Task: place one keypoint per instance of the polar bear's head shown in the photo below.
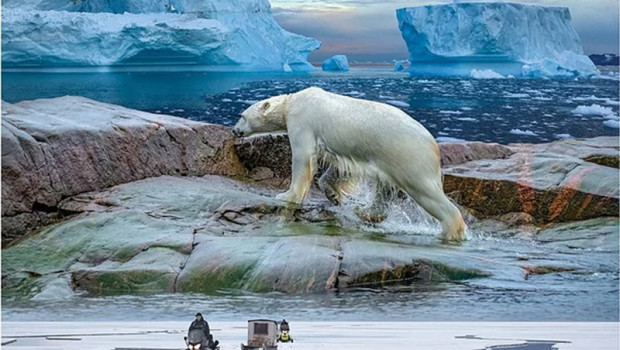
(263, 117)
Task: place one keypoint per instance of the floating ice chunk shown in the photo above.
(485, 74)
(450, 112)
(594, 109)
(515, 95)
(564, 136)
(467, 119)
(401, 65)
(337, 63)
(398, 103)
(612, 123)
(442, 139)
(523, 132)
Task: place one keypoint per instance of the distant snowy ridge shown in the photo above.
(536, 40)
(227, 35)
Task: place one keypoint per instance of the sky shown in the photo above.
(367, 30)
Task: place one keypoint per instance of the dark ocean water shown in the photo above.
(491, 110)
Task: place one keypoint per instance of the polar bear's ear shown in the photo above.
(266, 106)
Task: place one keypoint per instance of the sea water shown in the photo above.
(453, 109)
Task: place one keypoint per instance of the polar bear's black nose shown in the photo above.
(237, 133)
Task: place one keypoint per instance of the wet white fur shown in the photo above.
(359, 138)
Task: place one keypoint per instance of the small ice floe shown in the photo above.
(594, 109)
(612, 123)
(249, 102)
(485, 74)
(466, 108)
(515, 95)
(355, 93)
(533, 92)
(450, 112)
(226, 100)
(564, 136)
(541, 98)
(401, 65)
(523, 132)
(398, 103)
(442, 139)
(607, 101)
(386, 97)
(466, 119)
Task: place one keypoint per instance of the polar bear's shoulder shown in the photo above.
(313, 90)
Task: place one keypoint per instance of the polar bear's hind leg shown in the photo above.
(431, 198)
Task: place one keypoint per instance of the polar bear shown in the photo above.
(357, 138)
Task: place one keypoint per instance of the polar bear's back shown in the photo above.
(362, 131)
(361, 119)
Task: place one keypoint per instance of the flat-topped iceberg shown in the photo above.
(511, 39)
(226, 35)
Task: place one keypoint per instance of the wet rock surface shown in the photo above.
(211, 234)
(90, 174)
(186, 234)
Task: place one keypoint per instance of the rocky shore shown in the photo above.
(101, 199)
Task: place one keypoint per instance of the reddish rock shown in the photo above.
(56, 148)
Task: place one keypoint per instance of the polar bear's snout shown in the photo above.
(242, 128)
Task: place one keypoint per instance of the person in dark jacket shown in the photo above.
(201, 324)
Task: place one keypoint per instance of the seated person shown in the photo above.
(285, 332)
(200, 324)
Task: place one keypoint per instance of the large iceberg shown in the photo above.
(512, 39)
(223, 34)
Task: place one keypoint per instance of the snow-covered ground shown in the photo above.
(314, 335)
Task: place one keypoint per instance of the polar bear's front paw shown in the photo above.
(454, 237)
(288, 196)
